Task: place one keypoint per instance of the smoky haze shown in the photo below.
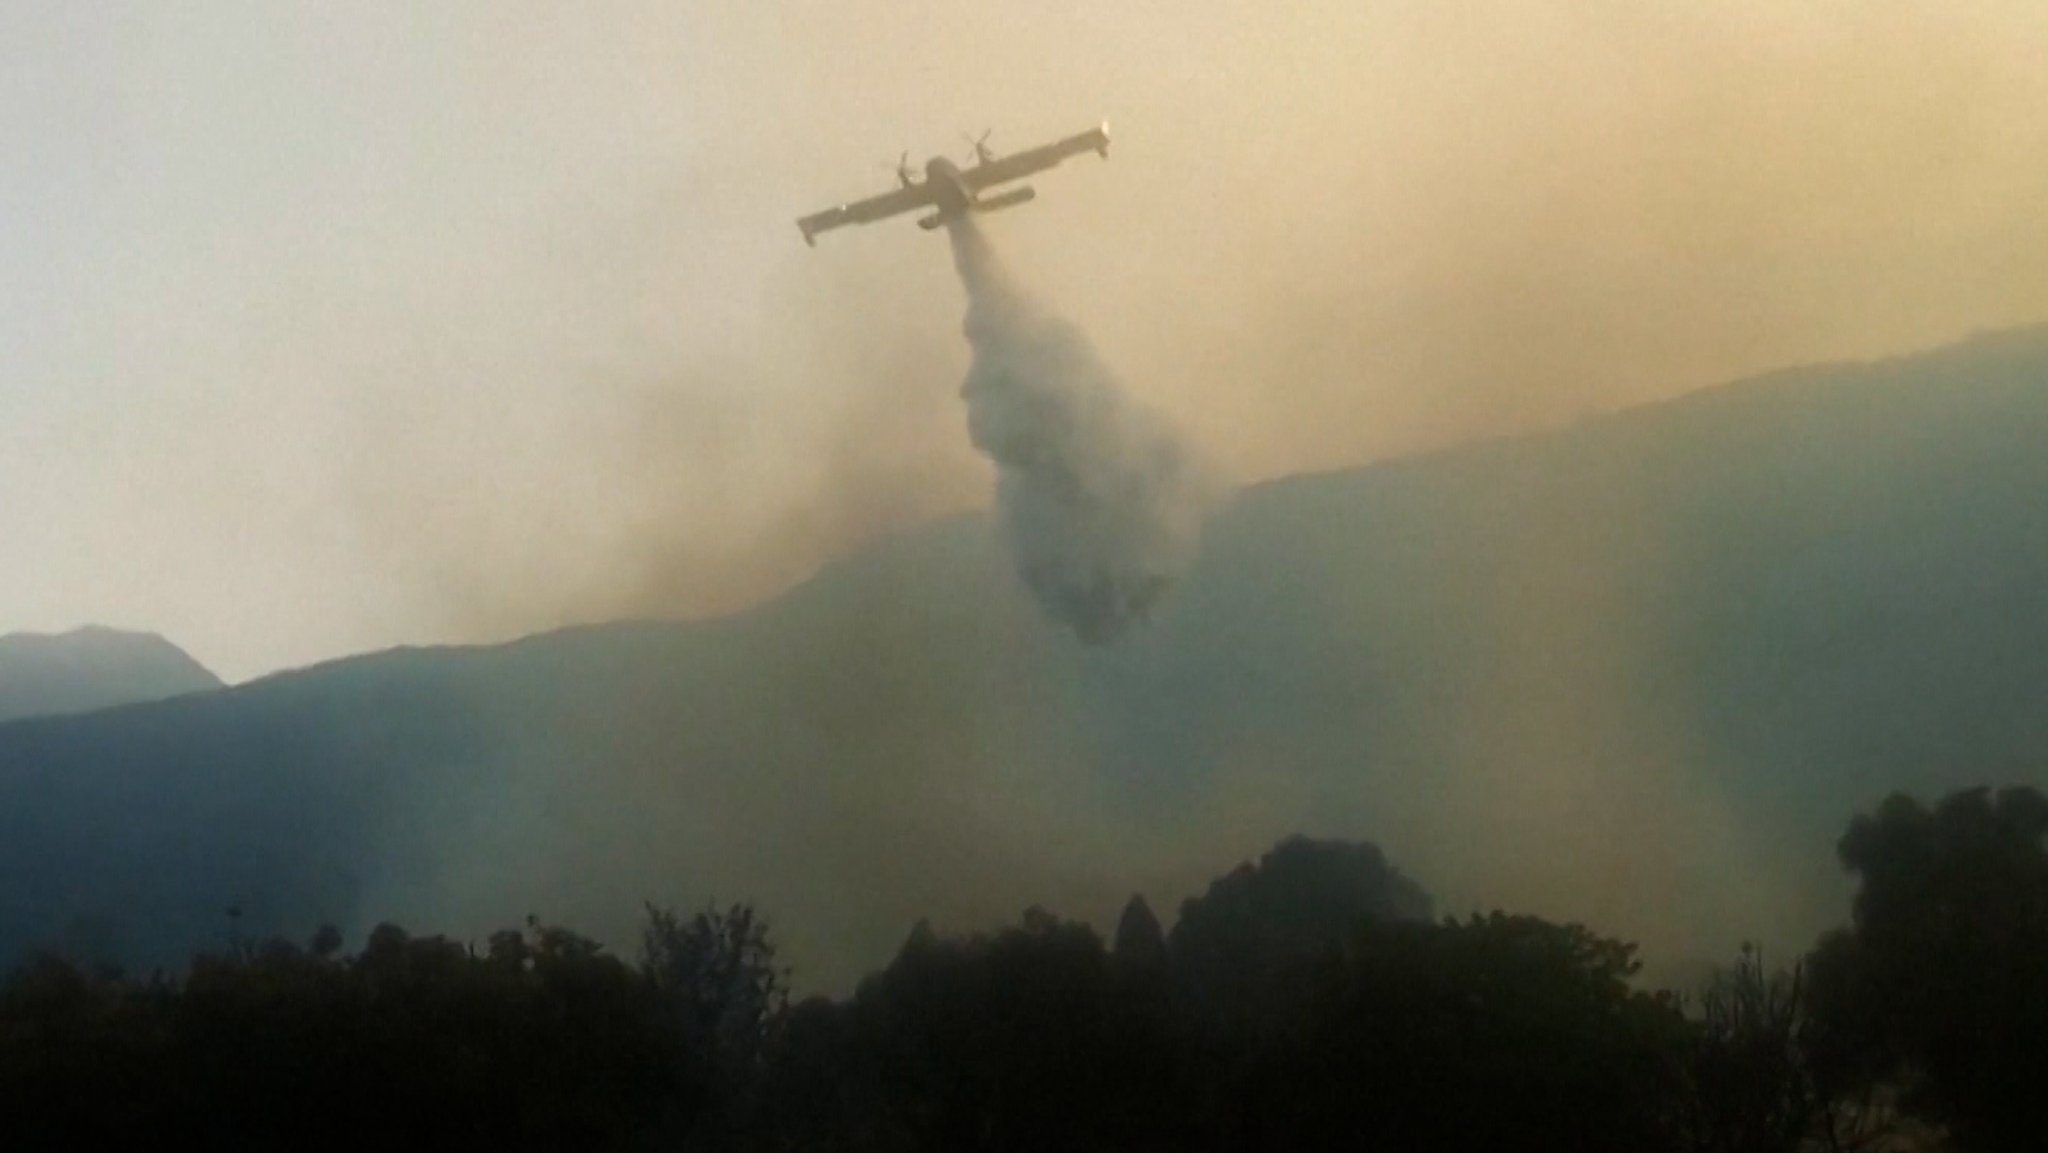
(370, 329)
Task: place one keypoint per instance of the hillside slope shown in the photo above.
(1636, 673)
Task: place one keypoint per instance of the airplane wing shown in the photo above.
(1018, 165)
(863, 211)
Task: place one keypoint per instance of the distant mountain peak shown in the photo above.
(92, 667)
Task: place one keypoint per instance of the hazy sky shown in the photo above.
(327, 327)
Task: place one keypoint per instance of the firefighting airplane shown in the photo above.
(955, 191)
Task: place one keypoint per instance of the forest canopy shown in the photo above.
(1306, 1000)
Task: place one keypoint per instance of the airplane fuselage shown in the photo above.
(950, 193)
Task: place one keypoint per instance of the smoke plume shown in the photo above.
(1101, 502)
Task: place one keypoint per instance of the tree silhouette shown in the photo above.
(1236, 945)
(1027, 1039)
(718, 989)
(1941, 982)
(1140, 942)
(1754, 1087)
(1495, 1032)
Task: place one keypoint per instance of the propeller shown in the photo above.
(982, 152)
(901, 167)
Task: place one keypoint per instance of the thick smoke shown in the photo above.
(1101, 502)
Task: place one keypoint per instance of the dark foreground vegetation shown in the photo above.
(1309, 1002)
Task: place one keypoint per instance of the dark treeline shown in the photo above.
(1307, 1002)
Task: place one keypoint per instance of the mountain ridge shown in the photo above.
(91, 668)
